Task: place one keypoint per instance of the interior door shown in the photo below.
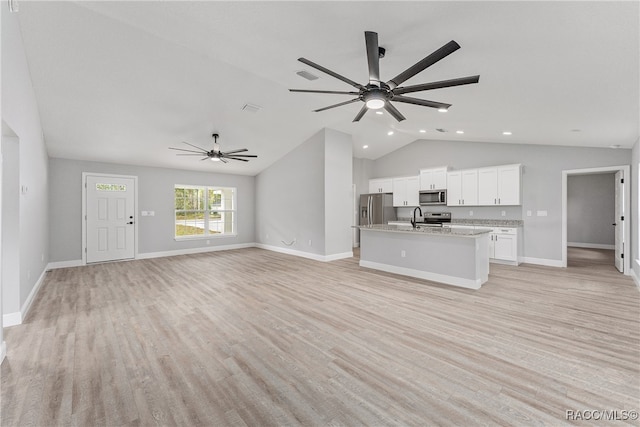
(619, 221)
(110, 218)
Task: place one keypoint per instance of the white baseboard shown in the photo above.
(16, 318)
(64, 264)
(541, 261)
(190, 251)
(590, 245)
(11, 319)
(434, 277)
(315, 257)
(3, 351)
(635, 278)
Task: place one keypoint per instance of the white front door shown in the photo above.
(619, 222)
(110, 218)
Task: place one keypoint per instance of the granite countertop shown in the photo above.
(424, 230)
(488, 222)
(477, 221)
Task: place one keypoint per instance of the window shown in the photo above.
(204, 211)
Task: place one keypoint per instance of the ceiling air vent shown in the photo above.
(307, 75)
(250, 108)
(441, 130)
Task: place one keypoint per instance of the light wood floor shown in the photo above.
(252, 337)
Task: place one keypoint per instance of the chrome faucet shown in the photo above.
(413, 221)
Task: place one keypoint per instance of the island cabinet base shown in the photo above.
(454, 260)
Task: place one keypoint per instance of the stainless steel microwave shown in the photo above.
(433, 197)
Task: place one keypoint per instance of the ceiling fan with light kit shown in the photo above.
(215, 155)
(378, 94)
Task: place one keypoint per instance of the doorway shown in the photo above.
(601, 198)
(109, 212)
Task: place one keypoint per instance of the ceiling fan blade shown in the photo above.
(223, 160)
(206, 158)
(436, 56)
(336, 92)
(195, 146)
(236, 158)
(422, 102)
(182, 149)
(394, 112)
(361, 113)
(437, 85)
(241, 150)
(190, 154)
(337, 105)
(238, 155)
(331, 73)
(373, 57)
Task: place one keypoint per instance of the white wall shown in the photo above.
(542, 180)
(591, 210)
(10, 225)
(305, 197)
(155, 193)
(635, 223)
(338, 192)
(20, 113)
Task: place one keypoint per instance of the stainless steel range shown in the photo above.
(436, 219)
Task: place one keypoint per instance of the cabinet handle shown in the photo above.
(495, 201)
(499, 200)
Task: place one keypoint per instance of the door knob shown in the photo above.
(130, 222)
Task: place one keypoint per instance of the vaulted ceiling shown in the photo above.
(123, 81)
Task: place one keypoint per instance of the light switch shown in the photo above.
(528, 213)
(152, 213)
(144, 213)
(541, 213)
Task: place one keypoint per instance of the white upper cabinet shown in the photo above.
(462, 188)
(433, 179)
(406, 191)
(499, 185)
(381, 185)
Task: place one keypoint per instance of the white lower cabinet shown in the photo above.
(503, 242)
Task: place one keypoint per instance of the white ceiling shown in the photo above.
(123, 81)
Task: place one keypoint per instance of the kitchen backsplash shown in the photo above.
(458, 212)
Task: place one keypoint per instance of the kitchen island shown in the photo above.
(451, 256)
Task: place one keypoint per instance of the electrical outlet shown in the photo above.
(541, 213)
(152, 213)
(144, 213)
(528, 213)
(42, 257)
(208, 242)
(309, 242)
(403, 254)
(470, 213)
(29, 275)
(267, 236)
(503, 213)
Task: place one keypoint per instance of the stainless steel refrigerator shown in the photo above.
(376, 208)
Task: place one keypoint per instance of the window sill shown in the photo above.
(205, 237)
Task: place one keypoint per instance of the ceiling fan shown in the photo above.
(378, 94)
(214, 155)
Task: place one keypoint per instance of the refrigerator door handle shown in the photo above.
(370, 204)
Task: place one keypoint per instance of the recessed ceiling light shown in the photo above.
(379, 112)
(443, 110)
(615, 146)
(575, 130)
(459, 131)
(423, 131)
(506, 132)
(390, 133)
(365, 146)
